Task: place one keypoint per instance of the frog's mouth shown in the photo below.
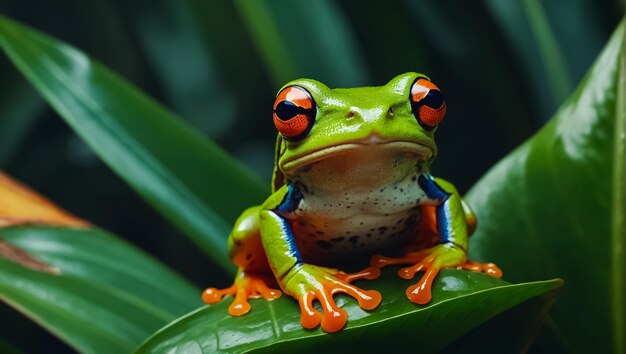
(423, 150)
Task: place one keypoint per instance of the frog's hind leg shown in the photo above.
(254, 278)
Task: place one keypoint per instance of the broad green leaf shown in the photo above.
(93, 290)
(548, 210)
(181, 173)
(172, 36)
(304, 39)
(461, 301)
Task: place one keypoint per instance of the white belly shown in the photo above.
(331, 225)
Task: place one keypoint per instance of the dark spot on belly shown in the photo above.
(324, 244)
(338, 239)
(414, 179)
(311, 234)
(319, 232)
(353, 239)
(248, 256)
(393, 235)
(399, 221)
(382, 229)
(368, 235)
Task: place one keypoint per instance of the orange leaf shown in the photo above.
(21, 205)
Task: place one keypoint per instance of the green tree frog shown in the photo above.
(351, 181)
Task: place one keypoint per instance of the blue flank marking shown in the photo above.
(291, 200)
(444, 218)
(289, 204)
(291, 239)
(432, 189)
(444, 214)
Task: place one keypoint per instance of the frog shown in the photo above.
(351, 183)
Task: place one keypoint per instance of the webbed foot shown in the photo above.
(308, 283)
(246, 286)
(430, 261)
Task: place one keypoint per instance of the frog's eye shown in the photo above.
(294, 112)
(427, 103)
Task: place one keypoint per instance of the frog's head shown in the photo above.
(317, 123)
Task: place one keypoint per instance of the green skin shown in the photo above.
(364, 140)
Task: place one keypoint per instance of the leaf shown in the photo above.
(172, 36)
(461, 301)
(300, 38)
(182, 174)
(547, 210)
(105, 295)
(21, 205)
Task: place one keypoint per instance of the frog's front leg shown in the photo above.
(451, 222)
(303, 281)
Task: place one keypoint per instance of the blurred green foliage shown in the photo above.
(505, 66)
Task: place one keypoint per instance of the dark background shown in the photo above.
(505, 67)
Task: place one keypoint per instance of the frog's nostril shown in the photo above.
(350, 115)
(390, 112)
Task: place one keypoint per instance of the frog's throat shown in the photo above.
(423, 150)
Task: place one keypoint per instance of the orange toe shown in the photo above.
(240, 306)
(310, 317)
(487, 268)
(334, 318)
(213, 295)
(369, 273)
(492, 270)
(421, 293)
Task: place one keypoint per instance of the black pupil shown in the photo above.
(434, 99)
(286, 110)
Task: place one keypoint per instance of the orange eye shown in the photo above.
(427, 103)
(294, 112)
